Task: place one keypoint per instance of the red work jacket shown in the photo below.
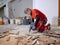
(36, 12)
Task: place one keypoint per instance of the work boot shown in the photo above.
(48, 27)
(41, 29)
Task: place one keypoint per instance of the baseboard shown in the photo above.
(54, 25)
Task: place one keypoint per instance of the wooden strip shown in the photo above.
(58, 12)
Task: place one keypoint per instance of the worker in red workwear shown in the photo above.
(41, 19)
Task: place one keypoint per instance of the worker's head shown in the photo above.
(27, 11)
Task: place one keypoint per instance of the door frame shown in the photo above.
(58, 12)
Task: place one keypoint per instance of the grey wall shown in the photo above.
(18, 7)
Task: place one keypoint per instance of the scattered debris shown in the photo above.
(50, 38)
(55, 34)
(34, 37)
(14, 32)
(29, 37)
(34, 42)
(38, 43)
(1, 35)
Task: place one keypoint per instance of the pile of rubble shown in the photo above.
(38, 40)
(13, 38)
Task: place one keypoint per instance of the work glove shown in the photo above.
(32, 27)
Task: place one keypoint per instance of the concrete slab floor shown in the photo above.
(23, 29)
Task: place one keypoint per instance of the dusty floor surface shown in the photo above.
(21, 35)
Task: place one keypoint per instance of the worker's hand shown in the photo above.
(32, 27)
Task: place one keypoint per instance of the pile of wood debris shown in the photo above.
(38, 40)
(50, 38)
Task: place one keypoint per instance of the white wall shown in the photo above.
(18, 7)
(49, 8)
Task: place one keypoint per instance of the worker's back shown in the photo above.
(36, 12)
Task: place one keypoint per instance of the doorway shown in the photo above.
(2, 12)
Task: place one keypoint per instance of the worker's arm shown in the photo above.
(32, 20)
(37, 20)
(32, 26)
